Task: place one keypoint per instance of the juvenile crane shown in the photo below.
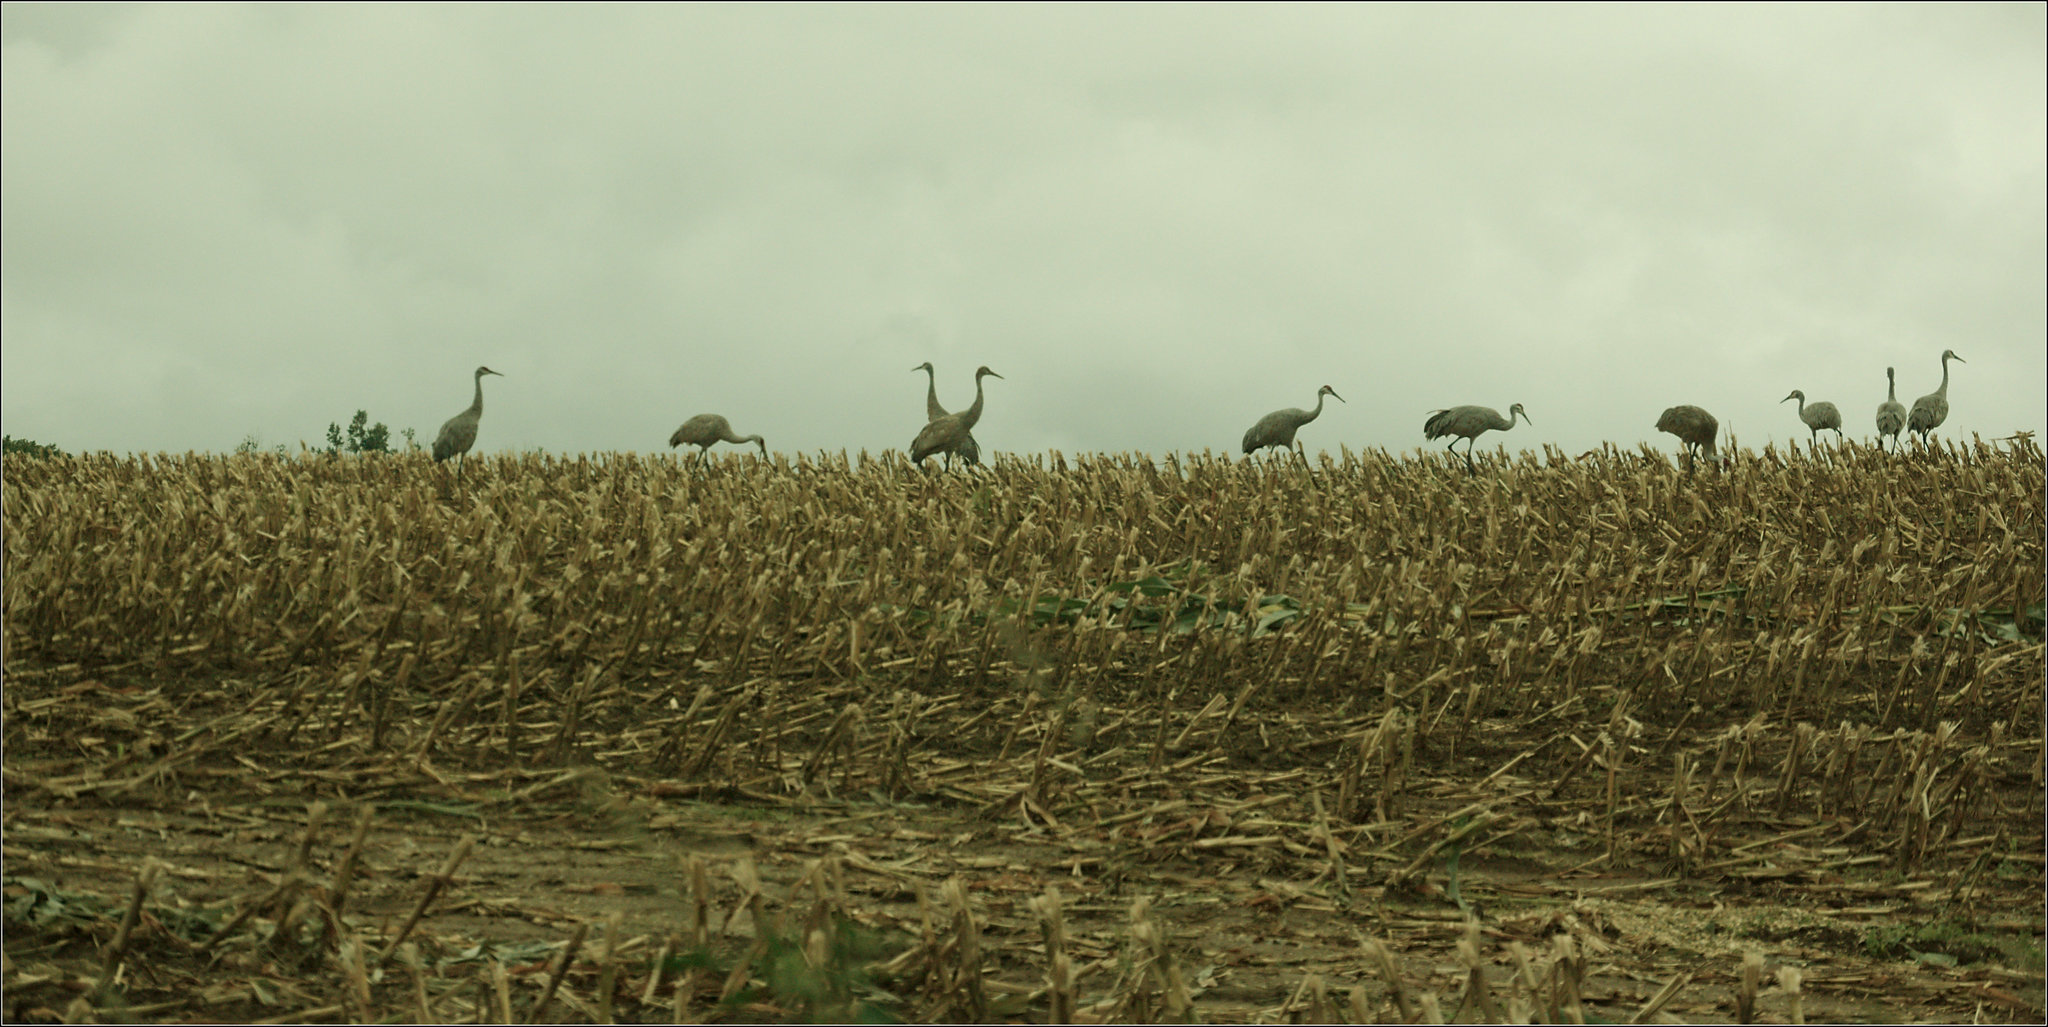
(1469, 422)
(1694, 427)
(947, 434)
(1932, 409)
(705, 429)
(460, 432)
(968, 450)
(1891, 414)
(1278, 427)
(1819, 417)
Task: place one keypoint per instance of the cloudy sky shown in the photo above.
(1157, 223)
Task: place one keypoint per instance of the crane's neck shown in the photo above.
(1318, 411)
(476, 406)
(973, 413)
(931, 395)
(1891, 383)
(1943, 391)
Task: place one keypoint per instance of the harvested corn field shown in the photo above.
(1103, 740)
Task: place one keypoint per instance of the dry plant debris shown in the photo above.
(1090, 740)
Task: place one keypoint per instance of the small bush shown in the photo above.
(27, 447)
(362, 436)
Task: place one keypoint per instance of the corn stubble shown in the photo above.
(1343, 677)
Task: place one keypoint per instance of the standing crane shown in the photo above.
(968, 450)
(1891, 414)
(1932, 409)
(947, 434)
(1819, 417)
(705, 429)
(460, 432)
(1694, 427)
(1278, 427)
(1469, 422)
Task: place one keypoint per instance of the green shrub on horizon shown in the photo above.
(27, 447)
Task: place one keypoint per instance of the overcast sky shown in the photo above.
(1158, 223)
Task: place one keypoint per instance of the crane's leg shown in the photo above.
(1301, 450)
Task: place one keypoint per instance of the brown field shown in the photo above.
(586, 739)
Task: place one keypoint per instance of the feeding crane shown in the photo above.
(1694, 427)
(1469, 422)
(1278, 427)
(704, 430)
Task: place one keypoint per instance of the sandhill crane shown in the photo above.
(1932, 409)
(968, 450)
(1278, 427)
(1891, 414)
(460, 432)
(1693, 426)
(948, 433)
(1469, 422)
(1818, 416)
(705, 429)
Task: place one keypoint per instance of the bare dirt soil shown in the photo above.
(1249, 861)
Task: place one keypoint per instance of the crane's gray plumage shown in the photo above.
(1932, 409)
(704, 430)
(1819, 417)
(968, 450)
(1278, 427)
(1891, 414)
(1468, 423)
(1694, 427)
(460, 432)
(947, 434)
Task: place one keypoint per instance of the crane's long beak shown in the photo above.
(1340, 399)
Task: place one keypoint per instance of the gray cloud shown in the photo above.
(1156, 223)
